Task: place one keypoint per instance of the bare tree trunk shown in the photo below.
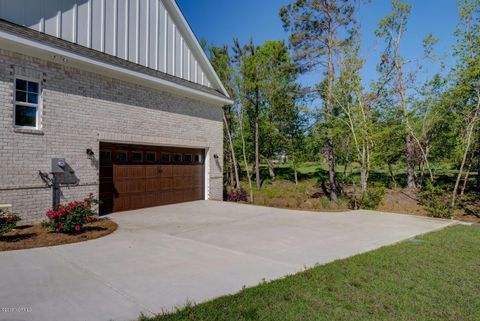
(465, 180)
(232, 152)
(402, 92)
(295, 174)
(328, 118)
(478, 171)
(363, 178)
(257, 141)
(271, 169)
(470, 129)
(244, 150)
(232, 177)
(410, 163)
(392, 175)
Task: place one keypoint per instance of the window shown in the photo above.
(177, 158)
(137, 156)
(27, 101)
(198, 158)
(187, 158)
(151, 157)
(165, 157)
(122, 156)
(105, 155)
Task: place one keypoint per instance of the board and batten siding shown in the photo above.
(141, 31)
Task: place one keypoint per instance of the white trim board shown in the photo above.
(37, 49)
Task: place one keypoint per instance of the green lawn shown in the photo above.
(438, 279)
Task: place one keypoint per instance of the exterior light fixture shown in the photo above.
(90, 153)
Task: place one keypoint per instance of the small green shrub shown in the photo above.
(369, 199)
(433, 198)
(71, 217)
(8, 221)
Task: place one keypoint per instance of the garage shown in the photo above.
(138, 176)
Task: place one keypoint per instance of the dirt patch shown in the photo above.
(307, 195)
(33, 236)
(399, 201)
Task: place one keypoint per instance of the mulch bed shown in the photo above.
(33, 236)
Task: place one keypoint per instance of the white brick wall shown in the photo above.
(79, 110)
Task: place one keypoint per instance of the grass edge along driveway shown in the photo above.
(434, 277)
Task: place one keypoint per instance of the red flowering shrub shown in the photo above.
(70, 218)
(8, 221)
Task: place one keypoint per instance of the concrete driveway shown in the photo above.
(165, 256)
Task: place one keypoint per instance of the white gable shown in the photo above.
(152, 33)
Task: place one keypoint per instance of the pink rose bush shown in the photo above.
(71, 217)
(8, 221)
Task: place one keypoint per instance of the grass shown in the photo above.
(434, 279)
(445, 174)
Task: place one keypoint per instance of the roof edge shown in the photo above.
(33, 40)
(172, 4)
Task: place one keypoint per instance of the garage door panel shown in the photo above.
(189, 170)
(198, 193)
(136, 171)
(177, 170)
(177, 183)
(152, 171)
(120, 171)
(166, 183)
(166, 171)
(168, 197)
(153, 184)
(121, 203)
(136, 185)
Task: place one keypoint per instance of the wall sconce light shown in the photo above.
(215, 156)
(90, 153)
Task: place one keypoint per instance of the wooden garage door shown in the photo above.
(133, 177)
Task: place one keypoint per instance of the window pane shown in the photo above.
(137, 156)
(188, 158)
(105, 155)
(151, 156)
(165, 157)
(122, 156)
(21, 85)
(33, 98)
(198, 158)
(25, 116)
(177, 158)
(32, 87)
(21, 96)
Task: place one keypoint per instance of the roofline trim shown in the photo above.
(172, 85)
(196, 45)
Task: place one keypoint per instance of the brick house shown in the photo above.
(114, 97)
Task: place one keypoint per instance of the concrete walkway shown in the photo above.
(165, 256)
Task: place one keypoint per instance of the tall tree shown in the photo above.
(464, 97)
(279, 90)
(319, 28)
(220, 59)
(392, 29)
(266, 84)
(355, 111)
(246, 60)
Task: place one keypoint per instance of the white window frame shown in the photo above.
(27, 104)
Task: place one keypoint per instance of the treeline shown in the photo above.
(403, 117)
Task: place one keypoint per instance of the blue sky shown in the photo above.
(218, 21)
